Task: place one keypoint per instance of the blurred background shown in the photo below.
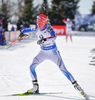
(23, 12)
(19, 14)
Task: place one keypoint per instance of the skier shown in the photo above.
(69, 25)
(46, 40)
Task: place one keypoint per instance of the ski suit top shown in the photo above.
(46, 32)
(68, 26)
(48, 51)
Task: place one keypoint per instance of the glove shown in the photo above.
(21, 34)
(41, 41)
(64, 20)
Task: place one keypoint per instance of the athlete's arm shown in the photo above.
(52, 33)
(29, 30)
(64, 20)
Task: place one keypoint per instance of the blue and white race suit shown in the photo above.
(48, 51)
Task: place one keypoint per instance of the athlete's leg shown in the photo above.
(71, 37)
(70, 33)
(66, 37)
(56, 58)
(36, 61)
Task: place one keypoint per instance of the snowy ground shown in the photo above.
(15, 76)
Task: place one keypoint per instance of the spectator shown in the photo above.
(4, 24)
(26, 25)
(12, 29)
(19, 23)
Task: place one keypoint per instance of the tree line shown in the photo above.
(27, 11)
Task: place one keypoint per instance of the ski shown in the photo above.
(26, 93)
(84, 95)
(10, 45)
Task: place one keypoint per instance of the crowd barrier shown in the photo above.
(11, 36)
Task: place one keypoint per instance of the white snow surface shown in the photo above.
(15, 73)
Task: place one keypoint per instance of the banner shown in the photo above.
(81, 19)
(59, 29)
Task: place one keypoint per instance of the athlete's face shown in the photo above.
(40, 25)
(68, 20)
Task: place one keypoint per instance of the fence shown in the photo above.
(11, 36)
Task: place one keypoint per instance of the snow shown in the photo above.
(15, 75)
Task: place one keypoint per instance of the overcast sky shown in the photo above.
(85, 6)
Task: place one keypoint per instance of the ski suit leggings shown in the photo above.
(68, 33)
(54, 56)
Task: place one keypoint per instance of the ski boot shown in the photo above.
(77, 87)
(35, 88)
(80, 90)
